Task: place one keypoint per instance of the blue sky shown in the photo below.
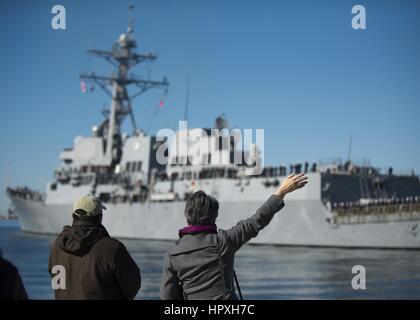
(295, 68)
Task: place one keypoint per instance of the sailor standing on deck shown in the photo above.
(96, 266)
(200, 264)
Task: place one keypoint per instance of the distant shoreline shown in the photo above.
(7, 218)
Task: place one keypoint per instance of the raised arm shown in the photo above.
(249, 228)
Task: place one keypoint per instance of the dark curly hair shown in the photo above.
(201, 209)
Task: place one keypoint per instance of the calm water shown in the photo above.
(265, 272)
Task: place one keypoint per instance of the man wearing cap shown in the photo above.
(96, 266)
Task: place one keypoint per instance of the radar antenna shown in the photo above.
(123, 57)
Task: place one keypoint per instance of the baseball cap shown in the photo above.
(90, 204)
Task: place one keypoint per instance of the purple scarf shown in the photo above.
(194, 229)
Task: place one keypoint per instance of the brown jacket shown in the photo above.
(96, 265)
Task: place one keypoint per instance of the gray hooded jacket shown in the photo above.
(192, 268)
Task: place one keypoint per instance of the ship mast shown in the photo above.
(123, 57)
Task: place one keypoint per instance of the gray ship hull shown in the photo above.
(301, 222)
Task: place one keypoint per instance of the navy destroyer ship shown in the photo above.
(343, 204)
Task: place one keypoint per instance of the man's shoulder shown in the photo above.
(109, 243)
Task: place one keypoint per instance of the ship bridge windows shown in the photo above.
(211, 173)
(133, 166)
(179, 161)
(87, 179)
(138, 167)
(84, 169)
(103, 170)
(232, 173)
(161, 176)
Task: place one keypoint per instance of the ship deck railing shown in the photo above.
(377, 213)
(26, 193)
